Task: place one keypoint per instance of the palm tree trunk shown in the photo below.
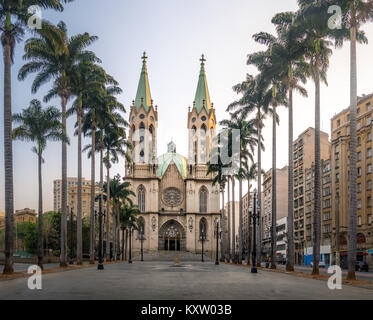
(118, 238)
(317, 183)
(79, 237)
(114, 235)
(8, 158)
(222, 247)
(108, 213)
(352, 230)
(290, 219)
(125, 249)
(259, 225)
(101, 187)
(63, 257)
(229, 221)
(122, 244)
(249, 228)
(93, 185)
(40, 214)
(240, 238)
(274, 200)
(233, 220)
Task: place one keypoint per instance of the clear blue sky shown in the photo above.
(174, 35)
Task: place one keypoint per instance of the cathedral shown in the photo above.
(178, 202)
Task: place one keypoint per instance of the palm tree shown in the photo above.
(11, 33)
(216, 166)
(254, 99)
(115, 141)
(314, 32)
(39, 126)
(288, 65)
(128, 219)
(247, 142)
(55, 56)
(101, 110)
(355, 14)
(120, 194)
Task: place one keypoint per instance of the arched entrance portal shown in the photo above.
(171, 236)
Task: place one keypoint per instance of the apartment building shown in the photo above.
(281, 204)
(86, 198)
(340, 139)
(303, 158)
(303, 228)
(281, 241)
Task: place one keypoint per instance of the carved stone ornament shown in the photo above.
(190, 224)
(154, 223)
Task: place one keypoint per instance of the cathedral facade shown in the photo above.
(178, 202)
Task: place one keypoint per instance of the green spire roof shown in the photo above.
(143, 95)
(202, 98)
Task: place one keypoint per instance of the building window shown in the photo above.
(203, 200)
(369, 185)
(141, 198)
(327, 216)
(359, 220)
(359, 187)
(369, 202)
(369, 218)
(369, 152)
(359, 204)
(359, 171)
(369, 168)
(359, 156)
(327, 228)
(369, 138)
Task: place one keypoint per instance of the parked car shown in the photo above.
(361, 266)
(321, 264)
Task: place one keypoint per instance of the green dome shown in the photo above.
(172, 157)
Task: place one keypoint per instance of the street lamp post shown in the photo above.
(71, 235)
(141, 241)
(130, 242)
(100, 265)
(253, 267)
(202, 238)
(217, 234)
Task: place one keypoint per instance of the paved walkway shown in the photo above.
(162, 280)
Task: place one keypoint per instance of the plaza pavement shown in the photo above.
(162, 280)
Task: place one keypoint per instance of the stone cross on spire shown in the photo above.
(144, 57)
(203, 60)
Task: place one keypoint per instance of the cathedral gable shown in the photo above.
(172, 190)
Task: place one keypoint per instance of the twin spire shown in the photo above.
(143, 96)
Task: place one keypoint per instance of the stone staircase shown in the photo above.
(183, 256)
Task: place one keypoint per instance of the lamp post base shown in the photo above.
(254, 270)
(100, 266)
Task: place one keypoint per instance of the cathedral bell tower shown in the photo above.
(201, 123)
(143, 122)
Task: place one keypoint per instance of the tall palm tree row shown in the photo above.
(55, 56)
(14, 16)
(40, 126)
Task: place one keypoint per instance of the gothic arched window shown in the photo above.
(203, 144)
(203, 227)
(141, 226)
(141, 198)
(203, 200)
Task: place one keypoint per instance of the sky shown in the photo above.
(174, 34)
